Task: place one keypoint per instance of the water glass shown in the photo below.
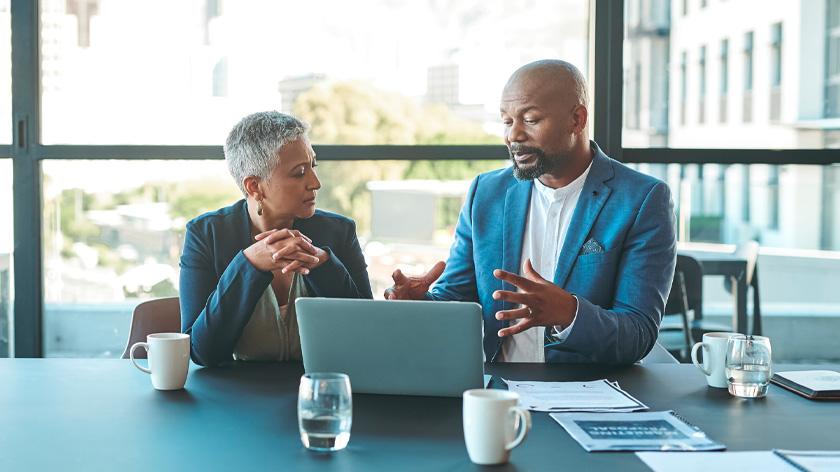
(748, 365)
(325, 411)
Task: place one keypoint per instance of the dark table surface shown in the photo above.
(75, 414)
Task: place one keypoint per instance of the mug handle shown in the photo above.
(694, 350)
(525, 421)
(131, 355)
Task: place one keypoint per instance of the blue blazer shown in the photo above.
(621, 290)
(220, 288)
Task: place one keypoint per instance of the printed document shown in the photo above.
(596, 396)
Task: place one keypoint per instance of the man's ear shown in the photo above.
(252, 187)
(580, 115)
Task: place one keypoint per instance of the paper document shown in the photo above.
(645, 431)
(765, 461)
(596, 396)
(811, 461)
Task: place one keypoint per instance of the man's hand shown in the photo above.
(543, 303)
(413, 288)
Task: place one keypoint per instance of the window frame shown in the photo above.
(606, 69)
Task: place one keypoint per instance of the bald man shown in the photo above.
(570, 253)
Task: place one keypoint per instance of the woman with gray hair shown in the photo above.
(243, 266)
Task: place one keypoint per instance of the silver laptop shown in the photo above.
(394, 347)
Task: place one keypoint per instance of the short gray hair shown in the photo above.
(253, 145)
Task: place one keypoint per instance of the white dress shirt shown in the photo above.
(549, 215)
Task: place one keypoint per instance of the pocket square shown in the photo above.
(591, 247)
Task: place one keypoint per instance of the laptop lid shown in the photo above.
(397, 347)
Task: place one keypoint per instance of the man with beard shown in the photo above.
(570, 253)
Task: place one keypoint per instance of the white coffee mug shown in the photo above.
(169, 359)
(714, 358)
(491, 420)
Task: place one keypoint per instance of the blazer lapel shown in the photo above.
(513, 228)
(594, 194)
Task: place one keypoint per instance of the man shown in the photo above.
(570, 253)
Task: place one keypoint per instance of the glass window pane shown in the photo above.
(787, 77)
(111, 243)
(113, 234)
(793, 211)
(6, 246)
(5, 72)
(364, 72)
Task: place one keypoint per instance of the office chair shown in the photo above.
(749, 252)
(161, 315)
(686, 300)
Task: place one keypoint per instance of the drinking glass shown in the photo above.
(748, 365)
(325, 411)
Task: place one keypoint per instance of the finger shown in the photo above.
(303, 257)
(513, 314)
(389, 294)
(277, 235)
(399, 277)
(300, 235)
(264, 234)
(515, 297)
(531, 273)
(295, 266)
(516, 329)
(520, 282)
(434, 273)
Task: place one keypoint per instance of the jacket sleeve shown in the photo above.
(344, 275)
(458, 280)
(215, 310)
(628, 330)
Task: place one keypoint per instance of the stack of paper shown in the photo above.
(597, 396)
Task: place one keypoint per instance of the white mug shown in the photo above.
(169, 359)
(714, 358)
(491, 420)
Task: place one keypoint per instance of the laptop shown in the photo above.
(397, 347)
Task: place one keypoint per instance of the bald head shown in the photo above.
(544, 111)
(563, 79)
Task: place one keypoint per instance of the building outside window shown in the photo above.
(724, 79)
(701, 102)
(748, 78)
(776, 72)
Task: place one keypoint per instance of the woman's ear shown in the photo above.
(252, 187)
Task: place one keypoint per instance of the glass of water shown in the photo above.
(748, 365)
(325, 411)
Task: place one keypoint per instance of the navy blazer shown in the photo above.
(220, 288)
(621, 285)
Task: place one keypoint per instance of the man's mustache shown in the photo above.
(521, 149)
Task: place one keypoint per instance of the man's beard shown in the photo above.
(543, 164)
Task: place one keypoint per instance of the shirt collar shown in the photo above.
(555, 194)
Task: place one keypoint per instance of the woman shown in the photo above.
(243, 266)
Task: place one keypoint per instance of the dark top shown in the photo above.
(220, 288)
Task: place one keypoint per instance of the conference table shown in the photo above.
(88, 414)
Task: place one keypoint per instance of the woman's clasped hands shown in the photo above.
(287, 250)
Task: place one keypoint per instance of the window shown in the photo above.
(5, 72)
(831, 108)
(748, 77)
(111, 243)
(371, 71)
(701, 117)
(733, 191)
(776, 72)
(6, 246)
(683, 87)
(724, 78)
